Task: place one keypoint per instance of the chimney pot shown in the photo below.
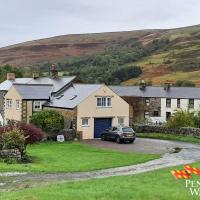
(11, 76)
(54, 72)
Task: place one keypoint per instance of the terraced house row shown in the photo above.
(91, 108)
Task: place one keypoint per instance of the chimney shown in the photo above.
(36, 75)
(167, 86)
(54, 72)
(11, 76)
(142, 85)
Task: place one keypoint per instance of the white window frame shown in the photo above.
(85, 122)
(104, 102)
(147, 101)
(9, 103)
(17, 104)
(122, 119)
(146, 114)
(37, 107)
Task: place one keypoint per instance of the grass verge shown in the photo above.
(155, 185)
(162, 136)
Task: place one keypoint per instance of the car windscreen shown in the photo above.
(127, 129)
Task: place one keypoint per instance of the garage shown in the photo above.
(100, 125)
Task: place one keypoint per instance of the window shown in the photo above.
(147, 101)
(155, 113)
(146, 115)
(85, 121)
(168, 115)
(17, 104)
(9, 103)
(103, 102)
(191, 103)
(37, 105)
(178, 103)
(121, 121)
(168, 103)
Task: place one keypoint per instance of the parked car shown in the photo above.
(119, 134)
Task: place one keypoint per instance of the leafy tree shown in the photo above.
(49, 121)
(184, 83)
(9, 69)
(181, 119)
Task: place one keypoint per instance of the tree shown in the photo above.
(9, 69)
(181, 119)
(49, 121)
(184, 83)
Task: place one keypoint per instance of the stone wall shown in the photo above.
(11, 153)
(154, 105)
(2, 94)
(139, 107)
(136, 108)
(162, 129)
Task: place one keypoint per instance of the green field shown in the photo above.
(74, 157)
(162, 136)
(156, 185)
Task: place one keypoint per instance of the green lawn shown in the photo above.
(170, 137)
(74, 157)
(156, 185)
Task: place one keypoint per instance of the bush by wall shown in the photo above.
(185, 131)
(49, 121)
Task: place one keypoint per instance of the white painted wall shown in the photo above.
(183, 105)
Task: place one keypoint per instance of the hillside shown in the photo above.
(162, 55)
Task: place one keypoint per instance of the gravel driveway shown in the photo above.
(190, 153)
(141, 145)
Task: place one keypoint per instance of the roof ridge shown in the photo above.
(32, 84)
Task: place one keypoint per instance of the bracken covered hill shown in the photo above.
(178, 58)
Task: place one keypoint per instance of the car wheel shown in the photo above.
(131, 141)
(103, 137)
(118, 140)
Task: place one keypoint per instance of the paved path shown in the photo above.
(190, 153)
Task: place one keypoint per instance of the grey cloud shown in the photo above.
(22, 20)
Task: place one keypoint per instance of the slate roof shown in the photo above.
(58, 83)
(150, 91)
(7, 84)
(73, 96)
(31, 92)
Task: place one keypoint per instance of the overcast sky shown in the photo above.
(23, 20)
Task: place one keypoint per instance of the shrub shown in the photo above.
(197, 119)
(181, 119)
(13, 139)
(31, 133)
(49, 121)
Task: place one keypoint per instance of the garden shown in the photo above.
(31, 148)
